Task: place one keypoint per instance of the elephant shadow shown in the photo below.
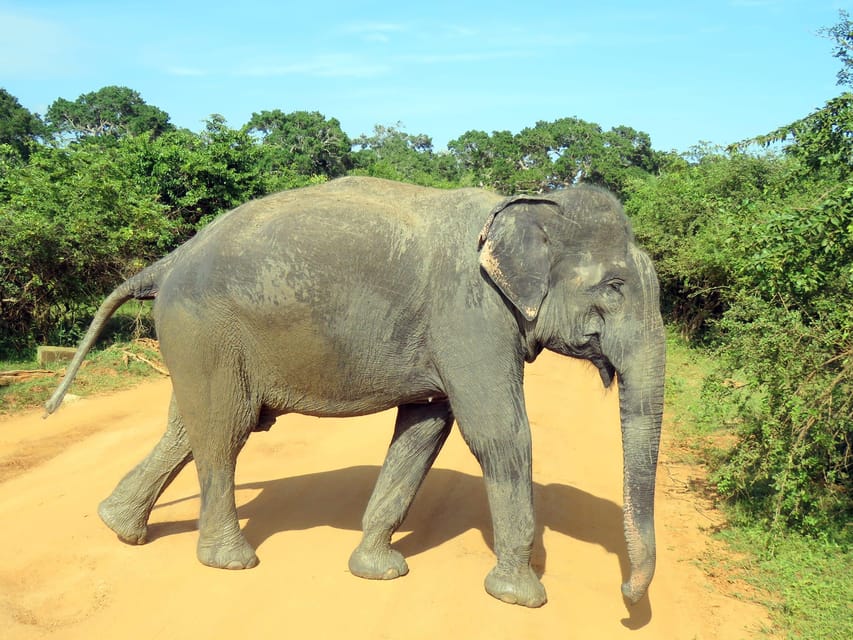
(448, 504)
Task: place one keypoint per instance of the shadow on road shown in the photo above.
(448, 504)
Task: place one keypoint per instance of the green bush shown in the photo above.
(73, 223)
(198, 176)
(755, 255)
(790, 333)
(792, 465)
(691, 218)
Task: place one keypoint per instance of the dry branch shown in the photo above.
(153, 365)
(12, 377)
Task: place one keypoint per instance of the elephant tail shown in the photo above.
(143, 286)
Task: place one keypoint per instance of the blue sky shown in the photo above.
(682, 71)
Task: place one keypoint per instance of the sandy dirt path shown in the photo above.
(302, 488)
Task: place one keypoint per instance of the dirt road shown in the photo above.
(301, 490)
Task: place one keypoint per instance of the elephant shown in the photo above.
(361, 295)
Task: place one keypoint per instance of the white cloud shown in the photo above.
(374, 31)
(481, 56)
(324, 66)
(187, 72)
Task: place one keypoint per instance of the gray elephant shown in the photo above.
(360, 295)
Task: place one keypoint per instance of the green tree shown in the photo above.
(198, 176)
(755, 254)
(794, 462)
(581, 151)
(842, 33)
(554, 155)
(302, 142)
(492, 160)
(110, 111)
(691, 218)
(568, 149)
(19, 128)
(822, 141)
(394, 154)
(792, 317)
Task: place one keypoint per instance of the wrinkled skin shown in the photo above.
(360, 295)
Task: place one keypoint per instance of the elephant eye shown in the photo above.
(615, 284)
(611, 292)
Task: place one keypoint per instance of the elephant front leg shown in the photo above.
(497, 431)
(419, 434)
(128, 507)
(513, 580)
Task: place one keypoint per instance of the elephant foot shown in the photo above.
(517, 586)
(237, 554)
(130, 525)
(382, 564)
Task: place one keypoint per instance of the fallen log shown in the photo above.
(12, 377)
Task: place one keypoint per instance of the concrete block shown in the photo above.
(46, 355)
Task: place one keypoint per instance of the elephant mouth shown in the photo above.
(591, 351)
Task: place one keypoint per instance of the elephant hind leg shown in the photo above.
(219, 418)
(419, 434)
(128, 507)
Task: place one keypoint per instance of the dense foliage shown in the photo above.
(556, 154)
(19, 129)
(71, 223)
(754, 246)
(755, 255)
(111, 111)
(105, 183)
(301, 143)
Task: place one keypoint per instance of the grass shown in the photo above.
(129, 357)
(808, 584)
(696, 438)
(805, 584)
(119, 366)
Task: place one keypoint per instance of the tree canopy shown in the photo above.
(19, 128)
(110, 111)
(554, 155)
(842, 33)
(301, 142)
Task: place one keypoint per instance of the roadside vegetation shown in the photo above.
(129, 355)
(804, 581)
(753, 244)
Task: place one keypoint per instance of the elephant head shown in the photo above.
(568, 263)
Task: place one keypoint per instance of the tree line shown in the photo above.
(753, 244)
(104, 183)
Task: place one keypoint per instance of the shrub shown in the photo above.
(73, 223)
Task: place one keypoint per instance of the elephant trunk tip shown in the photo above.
(637, 585)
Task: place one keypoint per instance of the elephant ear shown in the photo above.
(514, 252)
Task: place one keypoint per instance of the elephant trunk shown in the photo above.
(639, 358)
(641, 405)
